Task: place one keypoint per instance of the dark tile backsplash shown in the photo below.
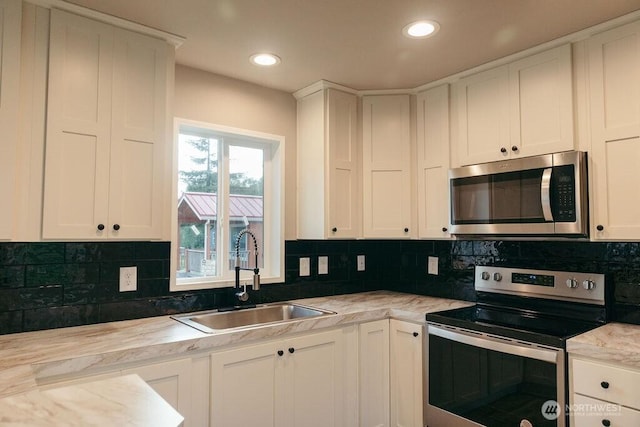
(52, 285)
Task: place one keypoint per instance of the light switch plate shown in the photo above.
(128, 279)
(323, 265)
(360, 263)
(304, 267)
(432, 265)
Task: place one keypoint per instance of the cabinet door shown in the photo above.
(374, 374)
(483, 116)
(433, 162)
(78, 127)
(315, 391)
(137, 136)
(247, 386)
(386, 166)
(172, 381)
(10, 19)
(343, 197)
(614, 82)
(595, 413)
(541, 99)
(406, 350)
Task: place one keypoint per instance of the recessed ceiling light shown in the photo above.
(264, 59)
(421, 29)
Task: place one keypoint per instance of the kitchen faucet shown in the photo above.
(242, 295)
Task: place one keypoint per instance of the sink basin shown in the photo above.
(216, 321)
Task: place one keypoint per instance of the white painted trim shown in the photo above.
(320, 85)
(274, 235)
(172, 39)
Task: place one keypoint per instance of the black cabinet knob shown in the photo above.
(503, 150)
(406, 230)
(291, 350)
(280, 352)
(116, 227)
(599, 227)
(415, 334)
(606, 422)
(100, 227)
(604, 384)
(514, 148)
(334, 229)
(444, 229)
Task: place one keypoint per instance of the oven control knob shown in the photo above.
(497, 277)
(485, 275)
(572, 283)
(589, 285)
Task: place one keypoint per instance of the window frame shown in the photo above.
(273, 205)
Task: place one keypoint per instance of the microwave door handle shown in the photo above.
(545, 194)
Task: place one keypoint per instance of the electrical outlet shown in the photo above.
(323, 265)
(432, 265)
(304, 267)
(360, 263)
(128, 279)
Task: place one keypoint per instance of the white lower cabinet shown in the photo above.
(374, 374)
(406, 373)
(603, 394)
(298, 381)
(172, 381)
(391, 374)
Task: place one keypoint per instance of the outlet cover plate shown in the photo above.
(432, 265)
(128, 279)
(323, 265)
(305, 269)
(360, 263)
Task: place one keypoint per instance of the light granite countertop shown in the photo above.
(120, 401)
(30, 359)
(613, 342)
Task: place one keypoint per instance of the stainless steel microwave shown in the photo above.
(541, 195)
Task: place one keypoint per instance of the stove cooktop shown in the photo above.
(520, 325)
(537, 306)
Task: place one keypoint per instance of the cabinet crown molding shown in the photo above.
(173, 39)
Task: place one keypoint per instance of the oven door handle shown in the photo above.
(545, 194)
(503, 345)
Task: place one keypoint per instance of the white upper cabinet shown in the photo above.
(106, 131)
(433, 162)
(328, 171)
(524, 108)
(10, 19)
(614, 88)
(386, 163)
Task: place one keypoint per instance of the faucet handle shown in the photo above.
(243, 295)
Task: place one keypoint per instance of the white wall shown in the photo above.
(211, 98)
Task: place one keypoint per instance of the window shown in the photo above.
(226, 180)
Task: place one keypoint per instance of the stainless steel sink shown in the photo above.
(216, 321)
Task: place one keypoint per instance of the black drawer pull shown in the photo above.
(415, 334)
(604, 384)
(334, 229)
(291, 350)
(280, 352)
(606, 422)
(100, 227)
(599, 227)
(503, 150)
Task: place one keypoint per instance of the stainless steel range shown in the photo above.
(502, 362)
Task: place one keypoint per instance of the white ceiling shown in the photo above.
(357, 43)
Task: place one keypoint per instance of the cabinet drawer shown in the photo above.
(605, 382)
(588, 412)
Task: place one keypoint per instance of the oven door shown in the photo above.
(475, 379)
